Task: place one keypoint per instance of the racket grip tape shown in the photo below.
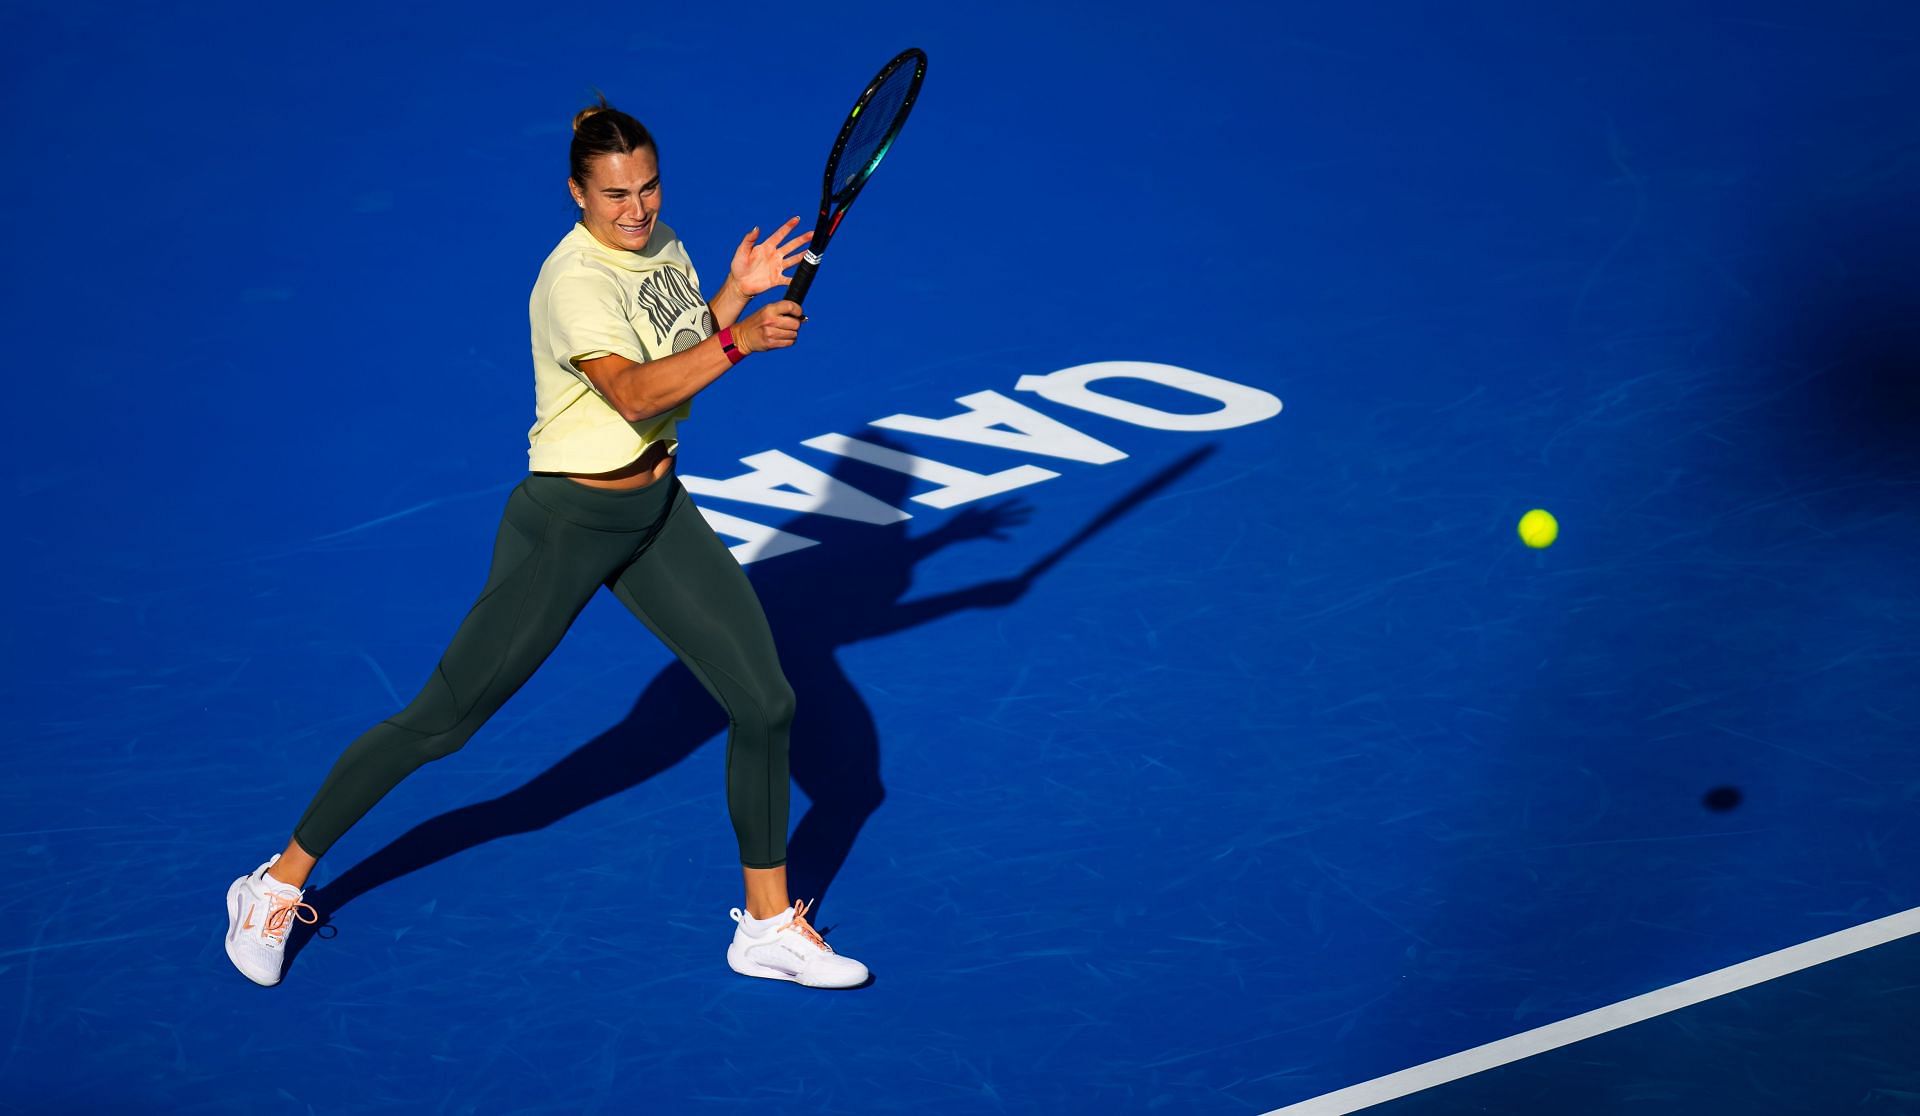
(802, 278)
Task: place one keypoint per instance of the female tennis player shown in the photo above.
(622, 342)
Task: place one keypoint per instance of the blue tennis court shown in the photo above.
(1196, 736)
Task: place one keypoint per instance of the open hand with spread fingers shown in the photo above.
(763, 266)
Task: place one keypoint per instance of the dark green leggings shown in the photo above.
(559, 541)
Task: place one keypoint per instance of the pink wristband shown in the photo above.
(734, 355)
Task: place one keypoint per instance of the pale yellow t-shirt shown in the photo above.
(592, 301)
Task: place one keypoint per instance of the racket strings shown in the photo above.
(872, 130)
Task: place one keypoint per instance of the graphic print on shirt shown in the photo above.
(689, 337)
(667, 296)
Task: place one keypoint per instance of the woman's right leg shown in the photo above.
(545, 569)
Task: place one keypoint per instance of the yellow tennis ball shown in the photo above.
(1538, 529)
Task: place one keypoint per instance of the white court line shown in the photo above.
(1673, 997)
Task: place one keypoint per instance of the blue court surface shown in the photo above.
(1227, 751)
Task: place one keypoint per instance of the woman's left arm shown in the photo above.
(756, 268)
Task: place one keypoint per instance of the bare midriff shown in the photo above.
(650, 466)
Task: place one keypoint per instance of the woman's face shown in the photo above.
(620, 200)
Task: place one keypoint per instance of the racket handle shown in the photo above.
(802, 278)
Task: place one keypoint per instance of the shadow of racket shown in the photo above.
(1139, 494)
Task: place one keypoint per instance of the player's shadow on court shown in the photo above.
(1841, 314)
(818, 600)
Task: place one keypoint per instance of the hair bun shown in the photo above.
(581, 117)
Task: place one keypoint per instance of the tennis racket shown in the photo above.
(863, 141)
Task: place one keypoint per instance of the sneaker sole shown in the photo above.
(748, 968)
(233, 917)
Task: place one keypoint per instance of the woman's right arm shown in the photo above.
(644, 390)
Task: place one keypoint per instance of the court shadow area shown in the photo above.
(1842, 326)
(846, 590)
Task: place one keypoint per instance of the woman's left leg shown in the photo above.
(688, 590)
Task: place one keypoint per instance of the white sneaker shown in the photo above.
(784, 947)
(260, 911)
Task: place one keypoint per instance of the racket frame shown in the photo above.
(833, 207)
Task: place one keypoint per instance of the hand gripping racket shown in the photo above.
(870, 130)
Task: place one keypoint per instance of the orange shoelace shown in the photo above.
(284, 911)
(800, 923)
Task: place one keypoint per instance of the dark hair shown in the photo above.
(604, 130)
